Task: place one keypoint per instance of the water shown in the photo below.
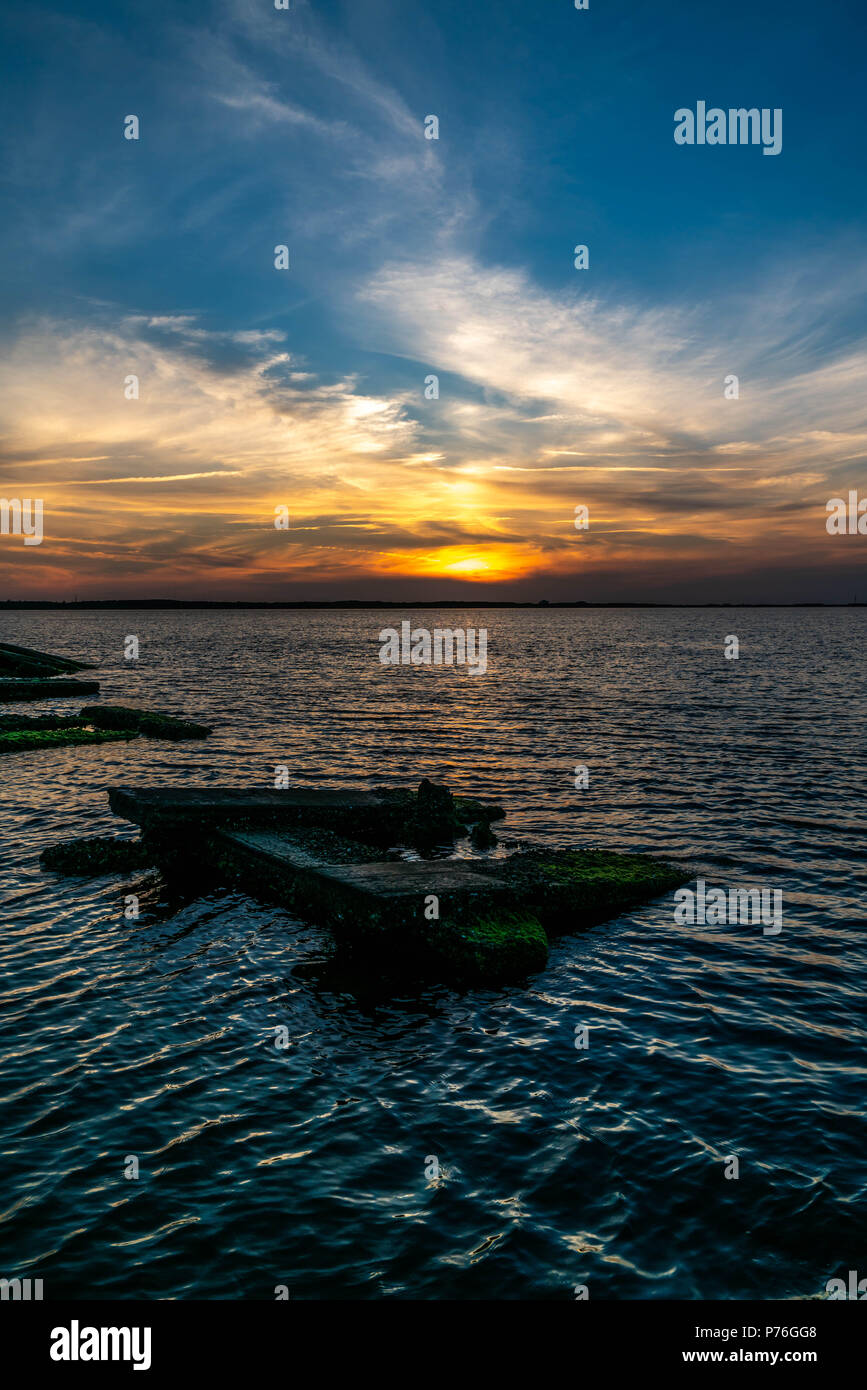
(306, 1167)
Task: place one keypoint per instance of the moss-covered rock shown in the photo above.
(573, 888)
(140, 721)
(95, 855)
(25, 740)
(112, 717)
(492, 949)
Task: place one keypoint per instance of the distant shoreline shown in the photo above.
(171, 605)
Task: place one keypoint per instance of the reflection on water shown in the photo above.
(306, 1166)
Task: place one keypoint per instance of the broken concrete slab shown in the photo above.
(21, 723)
(355, 813)
(94, 724)
(48, 689)
(480, 920)
(26, 661)
(428, 917)
(385, 894)
(382, 816)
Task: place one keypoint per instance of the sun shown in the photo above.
(473, 565)
(497, 561)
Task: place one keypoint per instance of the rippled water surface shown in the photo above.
(307, 1167)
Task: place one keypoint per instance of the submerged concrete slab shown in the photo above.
(11, 690)
(319, 853)
(32, 740)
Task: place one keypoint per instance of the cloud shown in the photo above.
(65, 390)
(307, 390)
(611, 380)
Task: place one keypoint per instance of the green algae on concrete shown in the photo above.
(572, 888)
(493, 949)
(142, 721)
(20, 723)
(96, 855)
(48, 689)
(94, 724)
(25, 740)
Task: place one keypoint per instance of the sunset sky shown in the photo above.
(410, 257)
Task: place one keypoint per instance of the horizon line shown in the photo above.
(12, 605)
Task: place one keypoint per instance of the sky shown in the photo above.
(409, 258)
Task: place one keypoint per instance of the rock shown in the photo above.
(473, 812)
(482, 835)
(435, 818)
(434, 802)
(440, 816)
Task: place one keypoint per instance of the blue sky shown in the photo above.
(305, 127)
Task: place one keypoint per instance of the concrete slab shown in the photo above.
(11, 690)
(390, 886)
(360, 814)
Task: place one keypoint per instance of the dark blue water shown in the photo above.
(307, 1167)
